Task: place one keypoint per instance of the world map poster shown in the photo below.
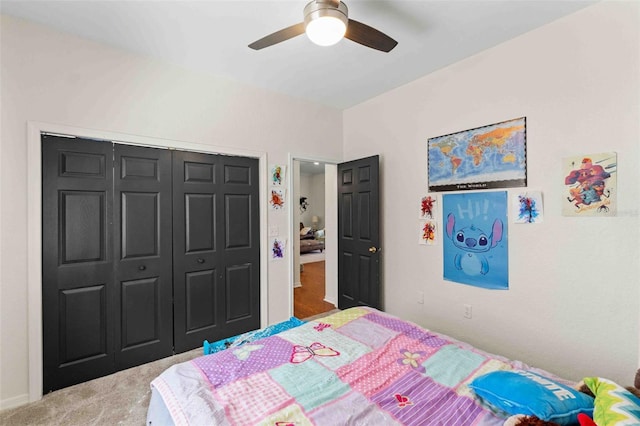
(493, 156)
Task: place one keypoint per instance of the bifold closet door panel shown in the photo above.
(143, 255)
(240, 241)
(77, 261)
(215, 246)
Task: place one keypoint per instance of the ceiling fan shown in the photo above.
(326, 22)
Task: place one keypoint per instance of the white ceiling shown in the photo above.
(311, 168)
(212, 36)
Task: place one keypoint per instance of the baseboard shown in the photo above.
(298, 284)
(326, 299)
(16, 401)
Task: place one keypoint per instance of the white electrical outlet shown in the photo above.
(420, 298)
(467, 311)
(274, 231)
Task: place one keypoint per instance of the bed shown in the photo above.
(309, 241)
(358, 366)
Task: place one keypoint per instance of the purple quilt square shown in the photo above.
(243, 361)
(352, 408)
(389, 322)
(427, 338)
(367, 332)
(414, 399)
(409, 330)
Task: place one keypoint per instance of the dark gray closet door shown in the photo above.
(216, 248)
(111, 250)
(143, 255)
(77, 261)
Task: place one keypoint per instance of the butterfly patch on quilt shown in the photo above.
(244, 352)
(403, 401)
(302, 353)
(321, 326)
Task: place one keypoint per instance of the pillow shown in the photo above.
(614, 404)
(523, 392)
(305, 230)
(585, 420)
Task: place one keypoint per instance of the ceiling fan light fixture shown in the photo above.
(326, 22)
(325, 25)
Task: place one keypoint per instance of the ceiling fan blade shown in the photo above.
(278, 36)
(369, 36)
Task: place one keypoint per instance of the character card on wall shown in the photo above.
(428, 205)
(277, 175)
(428, 234)
(590, 185)
(526, 207)
(276, 198)
(277, 248)
(475, 244)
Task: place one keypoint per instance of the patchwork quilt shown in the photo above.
(358, 366)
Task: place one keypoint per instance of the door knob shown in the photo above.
(142, 267)
(200, 260)
(372, 249)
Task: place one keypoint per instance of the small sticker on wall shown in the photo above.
(428, 205)
(278, 175)
(277, 248)
(428, 232)
(590, 186)
(277, 198)
(526, 207)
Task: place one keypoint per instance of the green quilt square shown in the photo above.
(451, 365)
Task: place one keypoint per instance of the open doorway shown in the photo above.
(314, 224)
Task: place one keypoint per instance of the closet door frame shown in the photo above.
(34, 223)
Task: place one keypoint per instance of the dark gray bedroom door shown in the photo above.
(77, 262)
(358, 233)
(216, 247)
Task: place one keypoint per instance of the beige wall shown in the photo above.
(573, 301)
(54, 78)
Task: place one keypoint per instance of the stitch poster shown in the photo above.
(590, 185)
(475, 244)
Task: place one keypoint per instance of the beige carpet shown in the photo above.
(119, 399)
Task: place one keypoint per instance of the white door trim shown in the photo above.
(331, 241)
(34, 223)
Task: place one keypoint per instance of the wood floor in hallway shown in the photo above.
(309, 299)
